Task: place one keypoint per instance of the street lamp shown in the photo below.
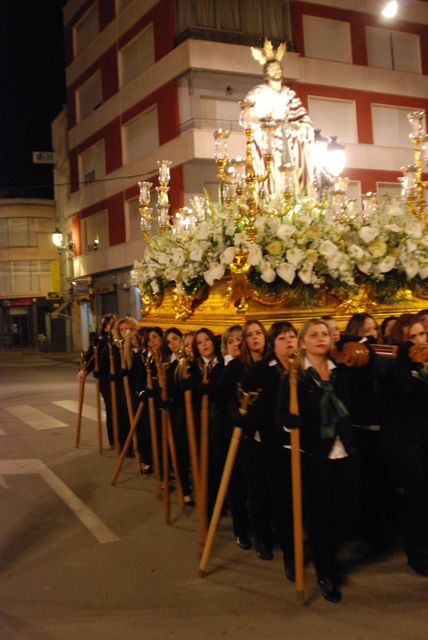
(57, 238)
(335, 157)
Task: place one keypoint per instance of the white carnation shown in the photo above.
(327, 248)
(285, 231)
(228, 255)
(254, 255)
(268, 275)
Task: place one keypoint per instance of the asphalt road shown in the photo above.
(81, 559)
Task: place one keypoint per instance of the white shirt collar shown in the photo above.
(308, 363)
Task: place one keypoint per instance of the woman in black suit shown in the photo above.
(405, 439)
(329, 462)
(274, 466)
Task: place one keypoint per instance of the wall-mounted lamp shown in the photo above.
(57, 238)
(390, 9)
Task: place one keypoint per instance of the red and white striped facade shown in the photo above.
(196, 85)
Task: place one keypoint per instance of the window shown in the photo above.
(334, 118)
(140, 135)
(22, 232)
(393, 50)
(86, 30)
(95, 232)
(390, 126)
(252, 17)
(133, 220)
(327, 39)
(92, 163)
(219, 112)
(89, 96)
(25, 275)
(137, 56)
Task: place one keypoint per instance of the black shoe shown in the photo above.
(330, 591)
(264, 552)
(419, 566)
(243, 542)
(289, 570)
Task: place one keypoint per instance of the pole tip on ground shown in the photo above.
(301, 597)
(201, 573)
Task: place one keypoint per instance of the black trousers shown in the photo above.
(407, 452)
(331, 494)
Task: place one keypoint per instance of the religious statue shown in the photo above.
(278, 105)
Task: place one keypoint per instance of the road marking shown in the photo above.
(73, 405)
(35, 418)
(87, 517)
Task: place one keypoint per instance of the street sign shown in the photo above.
(43, 157)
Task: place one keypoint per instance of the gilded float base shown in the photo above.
(220, 307)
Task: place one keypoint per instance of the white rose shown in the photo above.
(287, 272)
(215, 272)
(285, 231)
(413, 228)
(365, 266)
(386, 264)
(327, 248)
(411, 267)
(196, 254)
(367, 234)
(394, 210)
(228, 255)
(335, 261)
(178, 257)
(254, 255)
(423, 272)
(411, 246)
(154, 286)
(268, 275)
(294, 255)
(355, 251)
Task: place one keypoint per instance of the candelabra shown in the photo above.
(147, 214)
(412, 182)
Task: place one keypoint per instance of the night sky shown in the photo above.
(32, 92)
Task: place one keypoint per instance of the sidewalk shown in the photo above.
(62, 356)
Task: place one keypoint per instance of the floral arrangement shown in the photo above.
(306, 245)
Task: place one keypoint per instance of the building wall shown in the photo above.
(191, 85)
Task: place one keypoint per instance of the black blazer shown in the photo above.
(309, 395)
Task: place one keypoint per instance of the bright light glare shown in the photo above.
(390, 9)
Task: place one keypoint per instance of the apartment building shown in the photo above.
(152, 79)
(30, 275)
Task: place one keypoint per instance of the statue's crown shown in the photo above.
(269, 53)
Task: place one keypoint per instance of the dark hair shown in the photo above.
(423, 312)
(282, 326)
(246, 356)
(174, 330)
(212, 337)
(355, 323)
(106, 319)
(383, 326)
(157, 330)
(398, 333)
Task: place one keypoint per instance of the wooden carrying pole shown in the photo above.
(98, 400)
(82, 381)
(168, 445)
(113, 400)
(204, 461)
(153, 429)
(296, 478)
(127, 443)
(224, 485)
(193, 450)
(245, 400)
(129, 405)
